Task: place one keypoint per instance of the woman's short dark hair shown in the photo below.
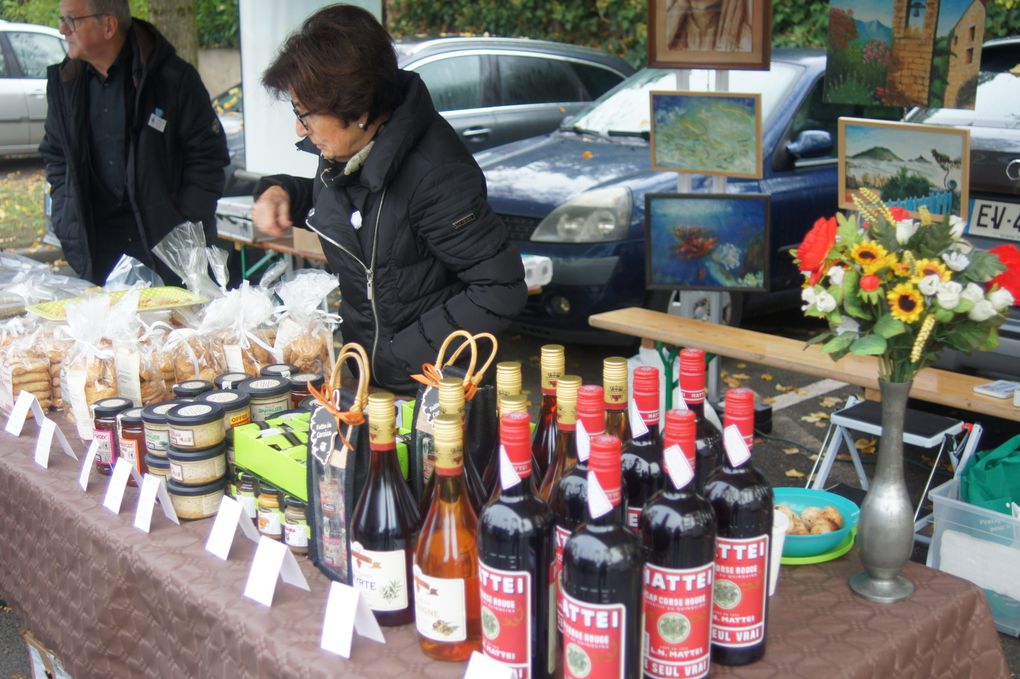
(341, 61)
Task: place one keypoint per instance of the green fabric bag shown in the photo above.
(992, 479)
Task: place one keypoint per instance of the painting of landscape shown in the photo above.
(907, 165)
(904, 52)
(707, 133)
(706, 241)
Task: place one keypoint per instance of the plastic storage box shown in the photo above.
(981, 546)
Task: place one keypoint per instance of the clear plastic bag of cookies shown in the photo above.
(305, 335)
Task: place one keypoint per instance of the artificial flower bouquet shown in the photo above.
(901, 288)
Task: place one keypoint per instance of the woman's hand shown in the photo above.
(271, 212)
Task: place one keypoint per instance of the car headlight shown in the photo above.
(592, 217)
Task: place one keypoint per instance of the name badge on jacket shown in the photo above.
(157, 121)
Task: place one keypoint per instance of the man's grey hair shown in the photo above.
(114, 8)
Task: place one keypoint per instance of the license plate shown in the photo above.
(994, 219)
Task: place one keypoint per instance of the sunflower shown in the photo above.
(930, 267)
(905, 303)
(871, 256)
(900, 268)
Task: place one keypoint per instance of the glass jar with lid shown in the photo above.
(295, 528)
(270, 511)
(284, 370)
(230, 380)
(131, 438)
(247, 494)
(299, 383)
(191, 388)
(269, 396)
(104, 428)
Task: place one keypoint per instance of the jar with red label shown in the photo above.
(131, 438)
(104, 425)
(299, 387)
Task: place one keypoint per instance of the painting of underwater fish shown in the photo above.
(707, 133)
(705, 241)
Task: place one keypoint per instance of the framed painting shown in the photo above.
(907, 165)
(726, 34)
(703, 241)
(707, 133)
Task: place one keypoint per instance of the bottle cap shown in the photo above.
(605, 464)
(646, 393)
(382, 418)
(553, 364)
(692, 375)
(566, 401)
(515, 435)
(449, 440)
(614, 382)
(517, 403)
(591, 409)
(740, 411)
(451, 396)
(681, 428)
(508, 378)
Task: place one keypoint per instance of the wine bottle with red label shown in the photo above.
(515, 546)
(384, 526)
(600, 588)
(565, 456)
(743, 504)
(614, 384)
(642, 468)
(708, 438)
(543, 443)
(678, 536)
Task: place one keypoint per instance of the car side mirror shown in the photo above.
(810, 144)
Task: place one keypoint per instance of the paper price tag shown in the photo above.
(153, 490)
(637, 423)
(90, 463)
(678, 399)
(583, 439)
(508, 476)
(347, 612)
(598, 502)
(273, 560)
(16, 422)
(48, 429)
(484, 667)
(736, 450)
(678, 466)
(118, 483)
(228, 518)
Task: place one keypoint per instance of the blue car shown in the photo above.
(577, 195)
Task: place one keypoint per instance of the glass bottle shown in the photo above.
(515, 547)
(384, 527)
(514, 404)
(600, 588)
(270, 512)
(508, 383)
(642, 458)
(614, 384)
(678, 537)
(451, 402)
(708, 438)
(543, 443)
(565, 455)
(742, 501)
(446, 601)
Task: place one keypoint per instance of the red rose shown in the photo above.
(1010, 278)
(815, 247)
(899, 214)
(869, 283)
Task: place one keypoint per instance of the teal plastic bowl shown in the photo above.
(799, 499)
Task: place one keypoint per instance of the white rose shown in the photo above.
(825, 302)
(956, 226)
(982, 311)
(957, 261)
(948, 295)
(1001, 299)
(905, 228)
(848, 325)
(836, 275)
(973, 293)
(808, 296)
(929, 285)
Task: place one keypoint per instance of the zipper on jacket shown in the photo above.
(369, 271)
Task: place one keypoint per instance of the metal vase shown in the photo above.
(885, 532)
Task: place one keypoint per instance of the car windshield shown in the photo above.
(624, 111)
(997, 105)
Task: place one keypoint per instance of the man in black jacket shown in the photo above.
(132, 145)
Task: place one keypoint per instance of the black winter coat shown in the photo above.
(429, 255)
(174, 174)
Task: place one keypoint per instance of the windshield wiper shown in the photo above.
(644, 134)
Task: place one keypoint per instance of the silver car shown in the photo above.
(25, 52)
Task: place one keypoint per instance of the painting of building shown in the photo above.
(965, 57)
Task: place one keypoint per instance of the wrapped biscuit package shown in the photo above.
(305, 335)
(240, 318)
(24, 367)
(90, 373)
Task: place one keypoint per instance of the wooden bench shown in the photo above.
(937, 386)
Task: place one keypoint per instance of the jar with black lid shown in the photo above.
(104, 413)
(299, 387)
(157, 431)
(307, 404)
(284, 370)
(230, 380)
(236, 405)
(269, 396)
(131, 438)
(196, 425)
(247, 494)
(191, 388)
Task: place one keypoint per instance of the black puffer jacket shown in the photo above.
(174, 174)
(428, 257)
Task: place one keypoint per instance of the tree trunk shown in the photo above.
(175, 19)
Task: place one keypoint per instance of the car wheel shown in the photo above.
(696, 304)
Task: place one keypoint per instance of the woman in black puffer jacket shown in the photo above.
(398, 202)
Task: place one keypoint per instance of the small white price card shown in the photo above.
(483, 667)
(736, 448)
(637, 423)
(90, 462)
(228, 518)
(273, 560)
(16, 422)
(118, 483)
(153, 490)
(347, 612)
(678, 466)
(508, 476)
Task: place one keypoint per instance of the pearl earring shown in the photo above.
(362, 125)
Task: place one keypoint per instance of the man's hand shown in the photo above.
(271, 212)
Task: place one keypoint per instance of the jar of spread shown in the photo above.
(191, 388)
(236, 404)
(197, 467)
(160, 466)
(299, 387)
(104, 414)
(196, 425)
(157, 431)
(270, 512)
(196, 502)
(307, 404)
(295, 527)
(247, 494)
(131, 438)
(269, 396)
(230, 380)
(284, 370)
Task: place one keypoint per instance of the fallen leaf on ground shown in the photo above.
(844, 456)
(830, 401)
(815, 417)
(741, 365)
(782, 388)
(791, 451)
(731, 383)
(794, 474)
(741, 376)
(767, 377)
(867, 446)
(769, 400)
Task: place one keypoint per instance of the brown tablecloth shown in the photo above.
(112, 601)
